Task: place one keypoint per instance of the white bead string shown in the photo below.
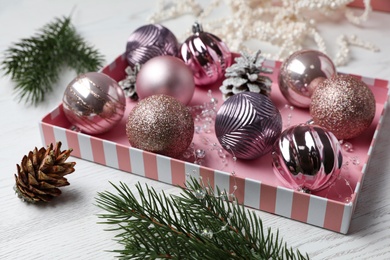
(286, 25)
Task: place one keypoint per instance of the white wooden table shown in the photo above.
(67, 229)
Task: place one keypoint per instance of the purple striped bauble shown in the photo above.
(150, 41)
(247, 125)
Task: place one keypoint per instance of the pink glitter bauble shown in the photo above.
(94, 102)
(166, 75)
(307, 158)
(206, 55)
(344, 105)
(160, 124)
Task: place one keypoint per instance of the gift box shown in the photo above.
(377, 5)
(254, 183)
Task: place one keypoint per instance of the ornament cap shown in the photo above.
(197, 28)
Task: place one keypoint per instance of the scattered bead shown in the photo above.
(200, 194)
(355, 160)
(207, 233)
(348, 147)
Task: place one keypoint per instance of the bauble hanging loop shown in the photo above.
(206, 55)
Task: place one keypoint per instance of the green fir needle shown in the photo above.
(34, 63)
(199, 224)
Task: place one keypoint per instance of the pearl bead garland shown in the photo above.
(284, 25)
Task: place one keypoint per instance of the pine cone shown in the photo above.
(244, 75)
(42, 172)
(129, 83)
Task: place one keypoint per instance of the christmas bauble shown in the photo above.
(94, 102)
(206, 55)
(150, 41)
(160, 124)
(344, 105)
(300, 74)
(307, 157)
(247, 125)
(166, 75)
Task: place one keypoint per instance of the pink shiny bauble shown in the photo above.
(206, 55)
(307, 158)
(301, 73)
(166, 75)
(94, 102)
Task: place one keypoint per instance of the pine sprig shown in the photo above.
(34, 63)
(199, 224)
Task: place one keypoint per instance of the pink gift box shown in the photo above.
(257, 186)
(377, 5)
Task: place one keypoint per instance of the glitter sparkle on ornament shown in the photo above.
(344, 105)
(160, 124)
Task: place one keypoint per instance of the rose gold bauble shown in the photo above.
(94, 102)
(300, 74)
(166, 75)
(160, 124)
(344, 105)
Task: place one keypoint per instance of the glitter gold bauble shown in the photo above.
(160, 124)
(301, 73)
(344, 105)
(94, 102)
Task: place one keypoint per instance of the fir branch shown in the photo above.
(34, 63)
(199, 224)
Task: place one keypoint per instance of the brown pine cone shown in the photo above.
(41, 172)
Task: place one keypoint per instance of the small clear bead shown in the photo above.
(187, 154)
(200, 194)
(200, 153)
(355, 160)
(348, 147)
(221, 154)
(207, 233)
